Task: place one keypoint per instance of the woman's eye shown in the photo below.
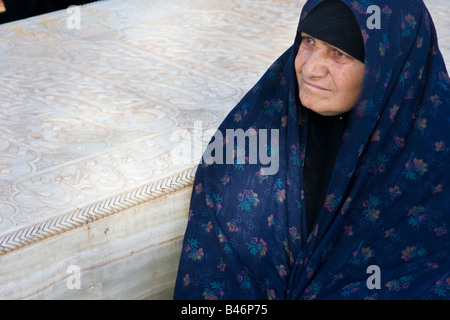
(308, 40)
(340, 54)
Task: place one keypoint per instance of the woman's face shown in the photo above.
(329, 80)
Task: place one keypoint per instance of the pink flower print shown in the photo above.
(440, 231)
(409, 94)
(186, 280)
(387, 233)
(222, 265)
(242, 112)
(399, 142)
(365, 36)
(386, 10)
(331, 202)
(261, 177)
(358, 7)
(421, 124)
(408, 25)
(225, 179)
(419, 42)
(348, 231)
(365, 107)
(270, 294)
(350, 288)
(294, 234)
(346, 205)
(416, 216)
(273, 105)
(281, 195)
(244, 279)
(232, 227)
(309, 272)
(384, 45)
(362, 256)
(256, 246)
(397, 285)
(198, 254)
(417, 167)
(395, 192)
(263, 247)
(376, 136)
(442, 287)
(213, 201)
(214, 292)
(436, 189)
(312, 290)
(194, 252)
(406, 254)
(393, 112)
(373, 215)
(247, 200)
(371, 212)
(432, 265)
(281, 270)
(443, 80)
(198, 188)
(405, 74)
(367, 252)
(222, 238)
(337, 277)
(439, 146)
(208, 227)
(270, 220)
(420, 165)
(410, 19)
(297, 154)
(436, 101)
(412, 252)
(379, 164)
(316, 230)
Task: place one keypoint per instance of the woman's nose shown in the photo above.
(315, 65)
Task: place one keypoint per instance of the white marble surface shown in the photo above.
(440, 12)
(89, 113)
(98, 120)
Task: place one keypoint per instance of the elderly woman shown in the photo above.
(359, 207)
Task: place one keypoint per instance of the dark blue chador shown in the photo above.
(388, 200)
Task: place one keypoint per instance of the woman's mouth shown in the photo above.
(314, 85)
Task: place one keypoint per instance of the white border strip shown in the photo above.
(96, 211)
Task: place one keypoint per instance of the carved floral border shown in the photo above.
(96, 211)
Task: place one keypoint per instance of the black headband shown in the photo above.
(333, 22)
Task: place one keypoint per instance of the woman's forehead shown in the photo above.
(334, 22)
